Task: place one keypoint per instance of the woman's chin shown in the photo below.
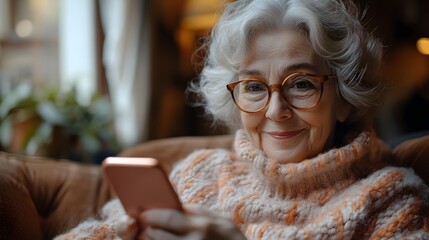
(286, 151)
(285, 155)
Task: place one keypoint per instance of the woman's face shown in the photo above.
(280, 131)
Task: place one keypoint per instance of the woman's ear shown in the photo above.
(344, 110)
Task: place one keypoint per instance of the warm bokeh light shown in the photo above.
(199, 22)
(423, 46)
(24, 28)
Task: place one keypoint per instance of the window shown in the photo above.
(48, 43)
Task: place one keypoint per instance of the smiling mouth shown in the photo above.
(284, 135)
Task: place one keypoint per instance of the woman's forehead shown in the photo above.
(283, 51)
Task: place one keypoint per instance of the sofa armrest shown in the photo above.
(40, 197)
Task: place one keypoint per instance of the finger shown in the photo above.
(179, 223)
(168, 219)
(212, 223)
(154, 233)
(201, 215)
(199, 210)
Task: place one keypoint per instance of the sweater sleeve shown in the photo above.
(112, 223)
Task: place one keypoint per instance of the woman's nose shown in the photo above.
(278, 108)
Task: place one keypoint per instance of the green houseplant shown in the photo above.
(50, 122)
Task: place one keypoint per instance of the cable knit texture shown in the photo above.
(111, 220)
(345, 193)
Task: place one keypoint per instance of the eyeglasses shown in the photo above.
(300, 90)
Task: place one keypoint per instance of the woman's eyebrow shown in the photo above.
(299, 66)
(249, 72)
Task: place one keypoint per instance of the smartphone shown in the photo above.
(140, 184)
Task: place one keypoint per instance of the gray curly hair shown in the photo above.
(334, 30)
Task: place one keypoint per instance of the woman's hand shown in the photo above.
(195, 224)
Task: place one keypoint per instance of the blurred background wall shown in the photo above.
(403, 27)
(79, 76)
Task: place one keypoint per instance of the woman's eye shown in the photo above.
(302, 88)
(254, 87)
(304, 84)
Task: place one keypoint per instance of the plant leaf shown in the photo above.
(50, 113)
(15, 99)
(5, 132)
(41, 137)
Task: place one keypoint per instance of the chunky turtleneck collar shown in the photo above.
(336, 167)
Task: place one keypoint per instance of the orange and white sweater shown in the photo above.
(345, 193)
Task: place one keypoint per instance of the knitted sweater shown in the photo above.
(345, 193)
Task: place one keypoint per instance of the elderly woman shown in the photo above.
(298, 79)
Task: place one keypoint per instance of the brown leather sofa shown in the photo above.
(41, 197)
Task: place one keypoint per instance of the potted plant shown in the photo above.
(50, 122)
